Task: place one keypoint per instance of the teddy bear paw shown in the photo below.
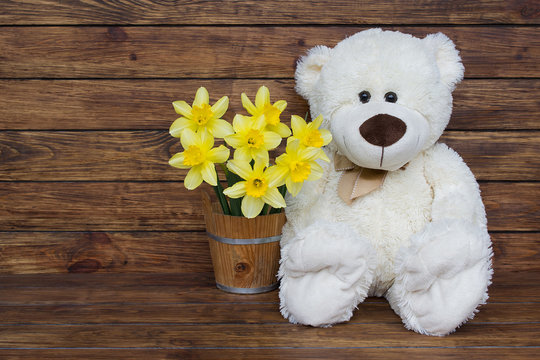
(324, 274)
(442, 277)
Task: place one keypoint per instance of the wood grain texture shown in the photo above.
(131, 104)
(163, 252)
(132, 206)
(276, 335)
(144, 155)
(86, 252)
(230, 52)
(370, 312)
(252, 12)
(458, 353)
(248, 266)
(108, 258)
(190, 288)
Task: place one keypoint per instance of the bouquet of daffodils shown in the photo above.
(255, 187)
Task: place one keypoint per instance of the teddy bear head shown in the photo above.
(385, 96)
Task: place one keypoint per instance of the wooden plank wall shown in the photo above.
(86, 90)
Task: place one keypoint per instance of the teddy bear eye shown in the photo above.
(390, 97)
(364, 96)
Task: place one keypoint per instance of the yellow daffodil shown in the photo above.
(270, 112)
(199, 156)
(251, 140)
(259, 187)
(201, 116)
(298, 165)
(309, 135)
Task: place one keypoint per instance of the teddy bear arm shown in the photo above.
(443, 275)
(456, 194)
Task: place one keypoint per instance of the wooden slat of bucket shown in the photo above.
(245, 266)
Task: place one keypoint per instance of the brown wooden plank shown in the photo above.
(152, 252)
(143, 155)
(230, 52)
(134, 206)
(181, 288)
(278, 335)
(146, 104)
(498, 155)
(459, 353)
(276, 12)
(247, 313)
(162, 252)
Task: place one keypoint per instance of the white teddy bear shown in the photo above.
(396, 214)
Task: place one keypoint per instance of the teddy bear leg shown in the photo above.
(326, 270)
(442, 277)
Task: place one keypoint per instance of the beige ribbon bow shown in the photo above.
(356, 181)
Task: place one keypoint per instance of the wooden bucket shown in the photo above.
(245, 252)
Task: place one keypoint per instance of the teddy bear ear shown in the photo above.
(448, 60)
(309, 69)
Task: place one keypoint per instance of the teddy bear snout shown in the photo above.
(383, 130)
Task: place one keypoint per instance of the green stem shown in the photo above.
(222, 199)
(232, 178)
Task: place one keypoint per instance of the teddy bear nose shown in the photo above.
(383, 129)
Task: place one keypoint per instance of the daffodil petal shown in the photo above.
(178, 126)
(326, 136)
(201, 97)
(235, 140)
(276, 175)
(293, 187)
(193, 178)
(258, 168)
(248, 105)
(220, 107)
(207, 140)
(281, 129)
(263, 97)
(241, 123)
(181, 107)
(260, 155)
(298, 125)
(243, 154)
(271, 140)
(236, 191)
(240, 168)
(291, 139)
(280, 105)
(317, 122)
(292, 146)
(258, 123)
(282, 159)
(309, 153)
(316, 172)
(218, 155)
(323, 156)
(220, 128)
(251, 206)
(274, 198)
(188, 138)
(208, 172)
(177, 160)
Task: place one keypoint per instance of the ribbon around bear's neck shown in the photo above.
(356, 181)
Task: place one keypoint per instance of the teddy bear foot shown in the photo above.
(325, 272)
(442, 277)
